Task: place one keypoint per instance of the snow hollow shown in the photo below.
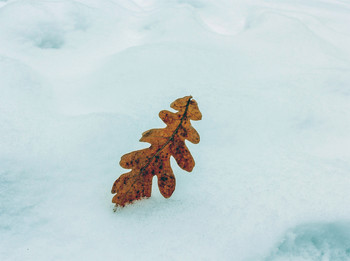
(81, 80)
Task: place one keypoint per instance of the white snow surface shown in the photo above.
(81, 80)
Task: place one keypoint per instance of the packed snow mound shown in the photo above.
(81, 80)
(330, 241)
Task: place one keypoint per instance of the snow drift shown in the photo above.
(81, 80)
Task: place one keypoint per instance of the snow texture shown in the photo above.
(81, 80)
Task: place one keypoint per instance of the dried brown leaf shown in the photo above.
(155, 160)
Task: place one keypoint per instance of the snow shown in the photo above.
(81, 80)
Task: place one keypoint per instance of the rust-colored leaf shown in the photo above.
(155, 160)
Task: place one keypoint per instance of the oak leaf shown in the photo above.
(155, 160)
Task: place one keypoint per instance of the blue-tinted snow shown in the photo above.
(81, 80)
(315, 241)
